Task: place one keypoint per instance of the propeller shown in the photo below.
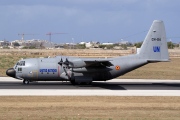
(60, 62)
(66, 62)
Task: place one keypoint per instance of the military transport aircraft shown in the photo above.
(85, 70)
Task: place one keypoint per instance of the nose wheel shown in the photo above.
(25, 82)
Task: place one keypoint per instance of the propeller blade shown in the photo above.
(61, 62)
(66, 62)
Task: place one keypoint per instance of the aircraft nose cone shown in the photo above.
(11, 72)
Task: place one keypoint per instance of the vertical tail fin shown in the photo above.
(154, 47)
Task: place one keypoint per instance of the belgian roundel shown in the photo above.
(117, 67)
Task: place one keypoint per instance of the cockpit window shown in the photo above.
(21, 63)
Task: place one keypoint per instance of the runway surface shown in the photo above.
(115, 87)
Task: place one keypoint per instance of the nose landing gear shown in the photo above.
(25, 82)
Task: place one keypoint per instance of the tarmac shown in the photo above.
(115, 87)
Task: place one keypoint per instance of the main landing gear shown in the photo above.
(25, 82)
(73, 82)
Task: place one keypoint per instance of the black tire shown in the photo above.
(25, 82)
(89, 83)
(73, 82)
(85, 83)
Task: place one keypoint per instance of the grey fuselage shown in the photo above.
(48, 69)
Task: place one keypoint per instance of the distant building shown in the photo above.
(88, 45)
(81, 43)
(124, 43)
(92, 44)
(4, 43)
(108, 43)
(59, 46)
(36, 43)
(17, 41)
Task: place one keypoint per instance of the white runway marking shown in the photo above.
(56, 92)
(95, 92)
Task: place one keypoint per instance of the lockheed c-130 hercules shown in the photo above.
(85, 70)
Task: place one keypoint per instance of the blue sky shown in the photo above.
(87, 20)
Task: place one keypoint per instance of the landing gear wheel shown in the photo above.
(73, 82)
(26, 82)
(85, 83)
(89, 83)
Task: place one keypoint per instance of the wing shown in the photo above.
(98, 62)
(79, 63)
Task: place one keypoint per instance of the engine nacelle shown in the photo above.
(77, 63)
